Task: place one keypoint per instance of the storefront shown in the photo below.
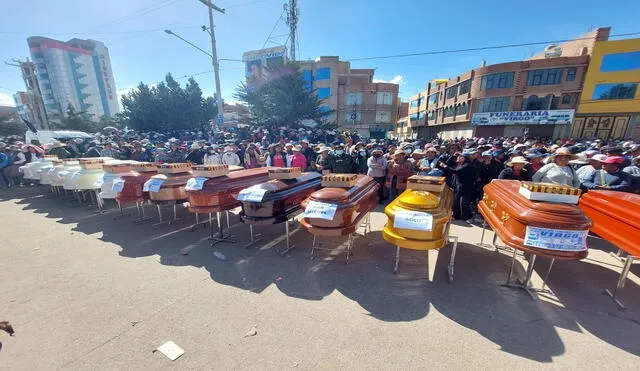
(543, 123)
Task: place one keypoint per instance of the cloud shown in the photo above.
(397, 79)
(6, 100)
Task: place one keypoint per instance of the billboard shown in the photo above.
(541, 117)
(257, 60)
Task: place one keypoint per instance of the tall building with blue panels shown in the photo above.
(76, 72)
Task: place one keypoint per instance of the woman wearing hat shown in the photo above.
(323, 160)
(252, 157)
(429, 164)
(516, 169)
(277, 158)
(377, 166)
(398, 171)
(558, 171)
(297, 159)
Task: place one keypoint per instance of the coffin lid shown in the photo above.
(236, 180)
(422, 200)
(283, 187)
(506, 192)
(341, 195)
(626, 206)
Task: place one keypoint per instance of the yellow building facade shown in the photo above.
(609, 105)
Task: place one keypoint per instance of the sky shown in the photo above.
(141, 51)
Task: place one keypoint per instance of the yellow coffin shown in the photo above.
(434, 207)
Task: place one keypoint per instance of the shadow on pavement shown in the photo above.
(475, 300)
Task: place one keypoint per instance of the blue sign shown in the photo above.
(220, 119)
(541, 117)
(555, 239)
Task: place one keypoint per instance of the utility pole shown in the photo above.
(214, 59)
(292, 21)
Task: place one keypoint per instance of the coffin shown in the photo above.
(351, 205)
(113, 171)
(47, 171)
(90, 169)
(423, 219)
(132, 189)
(174, 178)
(282, 198)
(554, 230)
(219, 194)
(30, 170)
(615, 217)
(60, 172)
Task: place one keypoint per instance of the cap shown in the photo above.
(613, 160)
(599, 157)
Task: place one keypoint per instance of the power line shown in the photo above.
(92, 33)
(482, 48)
(274, 28)
(139, 12)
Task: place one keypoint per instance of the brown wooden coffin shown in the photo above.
(352, 205)
(615, 217)
(219, 194)
(132, 190)
(509, 214)
(172, 189)
(283, 198)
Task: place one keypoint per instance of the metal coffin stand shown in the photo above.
(133, 190)
(219, 195)
(509, 213)
(438, 205)
(172, 192)
(616, 218)
(353, 206)
(279, 204)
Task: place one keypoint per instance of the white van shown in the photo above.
(48, 136)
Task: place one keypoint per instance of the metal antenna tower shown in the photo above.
(292, 22)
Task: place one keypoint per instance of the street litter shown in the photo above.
(171, 350)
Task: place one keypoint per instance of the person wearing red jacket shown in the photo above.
(297, 159)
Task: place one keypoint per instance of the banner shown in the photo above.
(543, 117)
(555, 239)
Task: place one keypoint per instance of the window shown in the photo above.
(383, 117)
(413, 116)
(353, 99)
(497, 81)
(415, 103)
(462, 109)
(566, 99)
(451, 92)
(325, 109)
(571, 74)
(464, 87)
(323, 93)
(498, 104)
(353, 116)
(383, 98)
(433, 98)
(323, 74)
(535, 103)
(549, 76)
(449, 111)
(620, 62)
(432, 115)
(421, 115)
(615, 91)
(307, 76)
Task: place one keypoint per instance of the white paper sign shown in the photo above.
(117, 186)
(62, 174)
(152, 185)
(320, 210)
(415, 220)
(98, 183)
(556, 239)
(195, 184)
(252, 194)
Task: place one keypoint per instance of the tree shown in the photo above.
(11, 125)
(167, 107)
(78, 121)
(282, 99)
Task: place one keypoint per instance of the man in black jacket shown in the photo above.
(309, 154)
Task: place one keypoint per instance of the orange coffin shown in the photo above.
(615, 216)
(509, 214)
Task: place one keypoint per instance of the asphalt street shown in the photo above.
(86, 291)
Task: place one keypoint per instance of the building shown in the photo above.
(537, 96)
(358, 103)
(76, 72)
(30, 104)
(610, 102)
(258, 62)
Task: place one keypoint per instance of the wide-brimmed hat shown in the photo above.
(598, 157)
(533, 154)
(377, 150)
(431, 149)
(517, 160)
(195, 146)
(297, 148)
(322, 149)
(13, 147)
(417, 152)
(563, 151)
(56, 144)
(399, 152)
(581, 160)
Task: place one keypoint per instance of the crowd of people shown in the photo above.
(467, 164)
